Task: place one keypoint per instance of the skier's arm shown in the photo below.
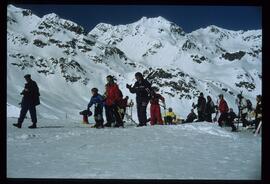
(90, 103)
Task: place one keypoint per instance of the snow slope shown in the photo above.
(67, 62)
(66, 149)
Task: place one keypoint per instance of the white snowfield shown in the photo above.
(68, 149)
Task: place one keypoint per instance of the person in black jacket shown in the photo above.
(201, 107)
(209, 109)
(230, 119)
(142, 88)
(258, 111)
(29, 102)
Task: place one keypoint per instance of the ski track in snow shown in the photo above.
(68, 149)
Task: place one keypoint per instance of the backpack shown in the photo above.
(249, 104)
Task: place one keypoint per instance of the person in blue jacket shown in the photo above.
(98, 101)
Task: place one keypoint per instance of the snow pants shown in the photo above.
(222, 118)
(98, 116)
(141, 111)
(208, 117)
(113, 114)
(24, 109)
(155, 114)
(244, 120)
(200, 116)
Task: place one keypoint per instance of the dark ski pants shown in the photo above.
(109, 115)
(98, 116)
(32, 110)
(141, 112)
(200, 116)
(113, 111)
(244, 120)
(222, 118)
(208, 117)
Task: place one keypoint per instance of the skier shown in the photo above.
(113, 97)
(123, 104)
(223, 109)
(200, 107)
(191, 117)
(258, 111)
(142, 89)
(169, 116)
(242, 104)
(29, 102)
(230, 119)
(209, 109)
(85, 114)
(98, 101)
(155, 107)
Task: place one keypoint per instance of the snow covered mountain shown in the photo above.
(67, 62)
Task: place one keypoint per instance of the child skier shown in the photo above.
(169, 117)
(85, 114)
(155, 108)
(97, 100)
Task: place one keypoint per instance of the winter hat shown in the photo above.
(27, 76)
(94, 90)
(138, 74)
(220, 95)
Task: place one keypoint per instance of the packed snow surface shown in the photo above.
(69, 149)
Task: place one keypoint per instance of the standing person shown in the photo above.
(209, 109)
(223, 109)
(242, 104)
(258, 111)
(230, 119)
(201, 107)
(29, 102)
(142, 89)
(155, 108)
(113, 97)
(98, 101)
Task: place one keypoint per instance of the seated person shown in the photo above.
(191, 117)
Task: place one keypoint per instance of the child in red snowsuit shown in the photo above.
(155, 108)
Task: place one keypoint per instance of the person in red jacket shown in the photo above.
(155, 108)
(112, 97)
(223, 109)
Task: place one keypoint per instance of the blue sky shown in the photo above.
(189, 18)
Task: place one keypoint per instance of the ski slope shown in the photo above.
(69, 149)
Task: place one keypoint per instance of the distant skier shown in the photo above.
(29, 102)
(142, 89)
(242, 104)
(230, 119)
(113, 97)
(169, 117)
(200, 107)
(258, 111)
(191, 117)
(155, 107)
(209, 109)
(223, 109)
(85, 114)
(98, 101)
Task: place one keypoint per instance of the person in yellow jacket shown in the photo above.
(170, 117)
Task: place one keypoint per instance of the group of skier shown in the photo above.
(115, 106)
(227, 116)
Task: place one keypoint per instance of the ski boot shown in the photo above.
(34, 125)
(18, 125)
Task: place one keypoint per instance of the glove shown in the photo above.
(128, 86)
